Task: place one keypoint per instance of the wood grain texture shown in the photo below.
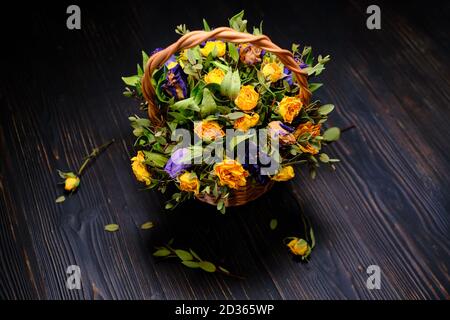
(387, 203)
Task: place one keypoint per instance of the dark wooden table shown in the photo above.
(387, 204)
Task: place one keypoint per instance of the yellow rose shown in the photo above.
(189, 182)
(71, 183)
(308, 127)
(289, 108)
(272, 71)
(299, 247)
(231, 173)
(140, 169)
(183, 55)
(247, 98)
(215, 76)
(220, 46)
(208, 130)
(285, 174)
(246, 122)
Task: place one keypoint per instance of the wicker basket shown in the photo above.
(250, 192)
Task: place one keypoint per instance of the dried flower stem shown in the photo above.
(95, 152)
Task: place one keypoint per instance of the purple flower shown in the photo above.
(282, 131)
(176, 164)
(254, 160)
(172, 59)
(156, 51)
(288, 72)
(175, 84)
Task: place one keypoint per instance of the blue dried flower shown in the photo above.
(288, 72)
(175, 165)
(175, 84)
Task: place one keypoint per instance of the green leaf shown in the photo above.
(208, 105)
(325, 109)
(332, 134)
(185, 104)
(231, 84)
(314, 86)
(224, 270)
(221, 66)
(60, 199)
(183, 255)
(140, 72)
(168, 206)
(220, 204)
(191, 57)
(273, 224)
(313, 239)
(324, 158)
(206, 26)
(196, 256)
(112, 227)
(191, 264)
(207, 266)
(147, 225)
(235, 115)
(155, 159)
(163, 252)
(239, 138)
(144, 59)
(238, 23)
(233, 52)
(131, 81)
(235, 85)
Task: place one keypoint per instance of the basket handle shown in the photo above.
(226, 34)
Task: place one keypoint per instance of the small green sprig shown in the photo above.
(191, 260)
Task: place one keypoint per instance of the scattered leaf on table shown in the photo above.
(147, 225)
(60, 199)
(112, 227)
(273, 224)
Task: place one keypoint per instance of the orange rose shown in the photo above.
(284, 174)
(231, 173)
(247, 98)
(208, 130)
(189, 182)
(289, 108)
(272, 71)
(246, 122)
(308, 127)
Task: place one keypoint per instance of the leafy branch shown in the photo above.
(191, 260)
